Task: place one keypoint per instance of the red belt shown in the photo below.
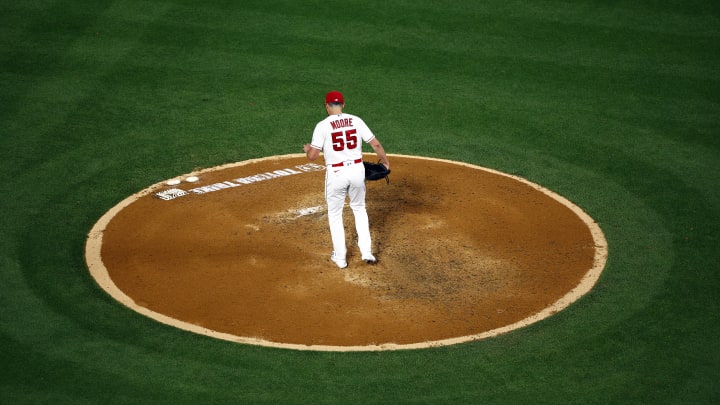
(343, 163)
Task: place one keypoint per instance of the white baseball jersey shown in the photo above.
(339, 137)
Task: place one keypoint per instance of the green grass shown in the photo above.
(615, 105)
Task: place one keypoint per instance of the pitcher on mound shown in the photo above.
(339, 138)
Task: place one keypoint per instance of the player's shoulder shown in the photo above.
(322, 123)
(355, 119)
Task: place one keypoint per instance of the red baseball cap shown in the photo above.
(334, 97)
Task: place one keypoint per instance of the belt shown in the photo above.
(346, 163)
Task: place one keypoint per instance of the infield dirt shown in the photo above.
(461, 251)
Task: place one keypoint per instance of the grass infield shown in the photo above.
(613, 105)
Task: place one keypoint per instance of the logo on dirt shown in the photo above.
(174, 193)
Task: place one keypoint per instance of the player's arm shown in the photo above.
(380, 151)
(311, 152)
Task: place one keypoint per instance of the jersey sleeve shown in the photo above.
(364, 131)
(318, 138)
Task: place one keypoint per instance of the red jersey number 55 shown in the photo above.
(344, 140)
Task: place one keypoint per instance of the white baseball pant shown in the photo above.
(341, 182)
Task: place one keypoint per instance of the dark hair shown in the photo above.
(335, 104)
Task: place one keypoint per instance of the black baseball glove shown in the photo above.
(376, 171)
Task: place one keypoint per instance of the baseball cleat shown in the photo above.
(369, 259)
(341, 263)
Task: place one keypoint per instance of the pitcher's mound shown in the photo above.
(242, 253)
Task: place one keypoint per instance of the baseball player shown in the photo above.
(339, 137)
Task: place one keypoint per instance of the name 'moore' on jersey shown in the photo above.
(339, 137)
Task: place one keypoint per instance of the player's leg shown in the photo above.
(356, 192)
(335, 192)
